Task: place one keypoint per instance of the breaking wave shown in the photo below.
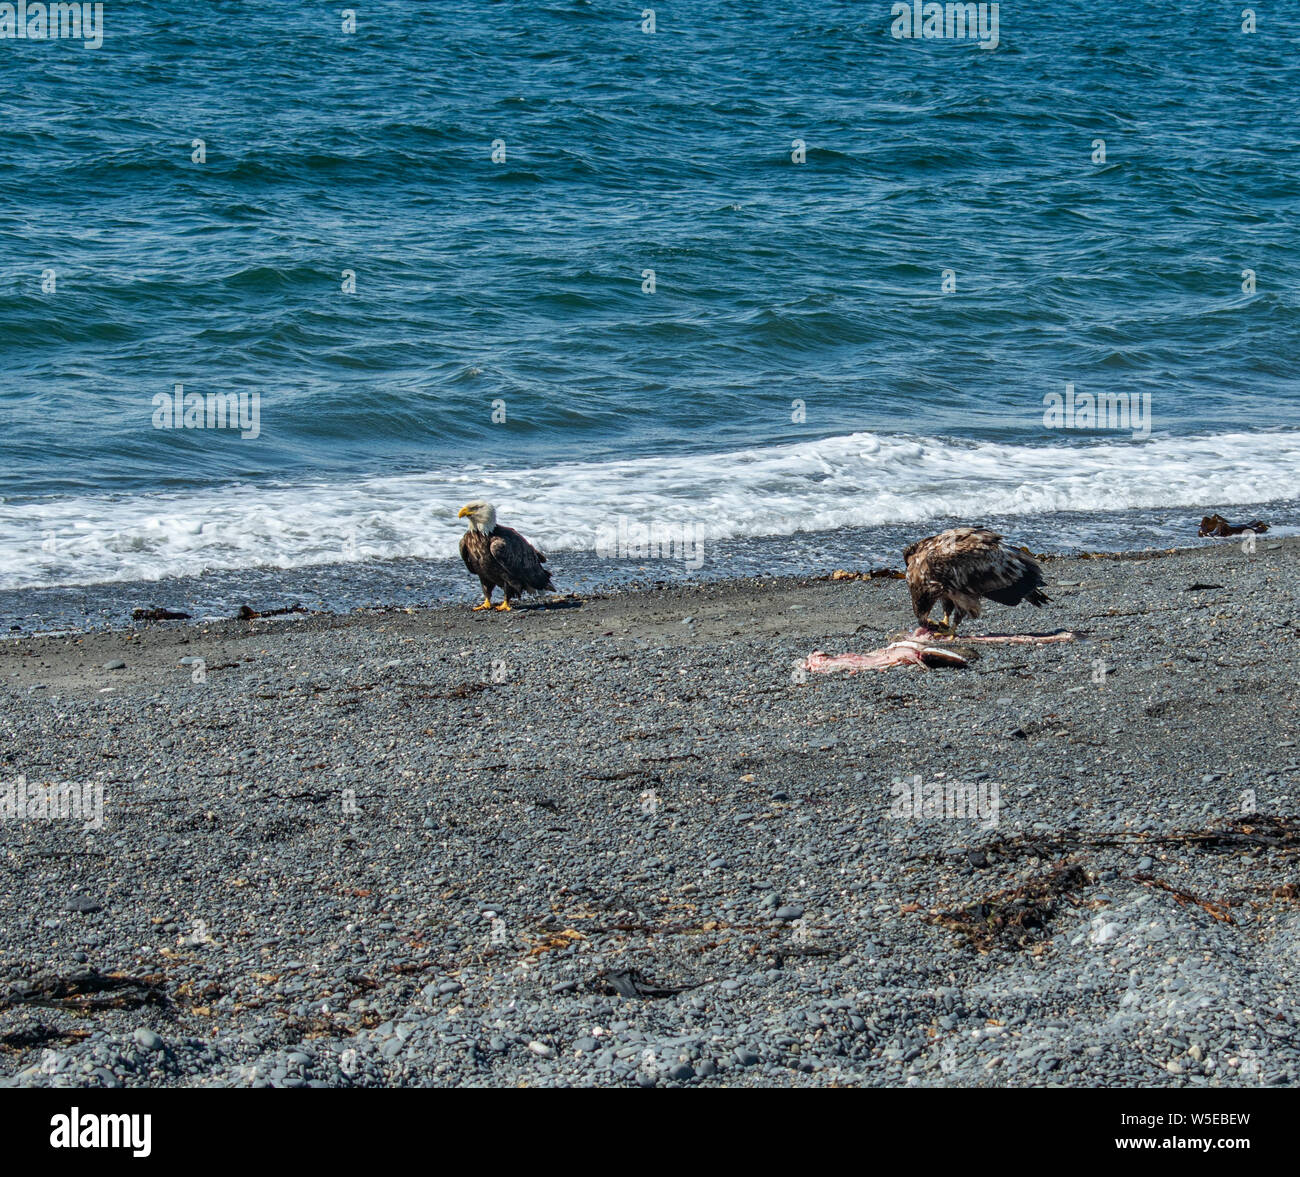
(858, 480)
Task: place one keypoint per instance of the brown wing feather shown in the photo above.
(966, 563)
(521, 561)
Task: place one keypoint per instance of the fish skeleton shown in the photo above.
(923, 649)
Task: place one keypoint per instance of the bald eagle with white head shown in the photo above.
(500, 557)
(957, 568)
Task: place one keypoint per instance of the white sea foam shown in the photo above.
(857, 480)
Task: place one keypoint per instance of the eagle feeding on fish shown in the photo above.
(957, 568)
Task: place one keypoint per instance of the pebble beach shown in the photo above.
(625, 840)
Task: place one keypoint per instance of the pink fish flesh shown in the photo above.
(925, 649)
(908, 652)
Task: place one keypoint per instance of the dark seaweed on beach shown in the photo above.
(40, 1034)
(1218, 526)
(1219, 910)
(463, 690)
(633, 983)
(248, 613)
(873, 574)
(1244, 834)
(86, 992)
(1015, 918)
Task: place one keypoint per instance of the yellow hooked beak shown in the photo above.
(463, 512)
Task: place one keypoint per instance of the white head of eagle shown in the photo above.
(482, 516)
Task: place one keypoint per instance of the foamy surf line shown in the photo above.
(858, 481)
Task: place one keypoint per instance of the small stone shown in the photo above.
(148, 1039)
(1105, 934)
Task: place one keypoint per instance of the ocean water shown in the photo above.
(251, 200)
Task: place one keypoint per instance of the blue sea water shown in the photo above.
(798, 368)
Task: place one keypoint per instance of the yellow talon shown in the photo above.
(504, 607)
(487, 604)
